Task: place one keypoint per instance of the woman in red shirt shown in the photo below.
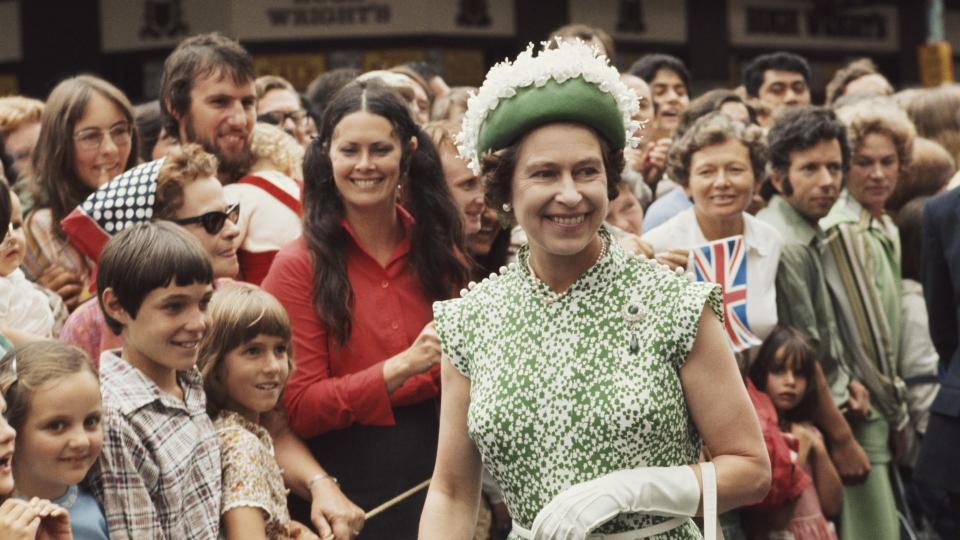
(358, 287)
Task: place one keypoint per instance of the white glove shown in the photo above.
(581, 508)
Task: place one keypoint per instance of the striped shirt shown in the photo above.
(159, 473)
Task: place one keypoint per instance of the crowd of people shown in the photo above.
(570, 302)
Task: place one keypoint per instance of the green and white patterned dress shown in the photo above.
(567, 391)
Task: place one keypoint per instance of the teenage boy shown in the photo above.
(158, 475)
(778, 80)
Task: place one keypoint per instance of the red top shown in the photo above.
(788, 479)
(333, 387)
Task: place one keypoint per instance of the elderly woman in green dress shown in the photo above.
(585, 379)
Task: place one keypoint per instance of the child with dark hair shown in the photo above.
(784, 369)
(159, 472)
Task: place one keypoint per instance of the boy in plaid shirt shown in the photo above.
(159, 473)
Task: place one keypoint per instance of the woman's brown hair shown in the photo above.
(58, 185)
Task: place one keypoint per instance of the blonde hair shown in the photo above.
(181, 167)
(274, 148)
(442, 134)
(37, 364)
(882, 116)
(15, 111)
(936, 114)
(237, 314)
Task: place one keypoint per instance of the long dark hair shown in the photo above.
(786, 347)
(434, 251)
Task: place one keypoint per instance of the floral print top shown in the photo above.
(566, 389)
(251, 475)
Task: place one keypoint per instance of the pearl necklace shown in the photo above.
(553, 297)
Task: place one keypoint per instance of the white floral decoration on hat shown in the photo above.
(569, 60)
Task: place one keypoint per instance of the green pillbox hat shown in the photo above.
(572, 101)
(567, 83)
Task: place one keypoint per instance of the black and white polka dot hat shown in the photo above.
(116, 205)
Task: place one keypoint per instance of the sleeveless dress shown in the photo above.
(565, 391)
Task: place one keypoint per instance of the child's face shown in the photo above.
(7, 437)
(786, 385)
(61, 437)
(12, 248)
(168, 328)
(253, 375)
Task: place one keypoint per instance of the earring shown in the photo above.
(507, 207)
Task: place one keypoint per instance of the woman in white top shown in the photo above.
(718, 162)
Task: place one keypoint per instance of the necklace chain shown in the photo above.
(543, 290)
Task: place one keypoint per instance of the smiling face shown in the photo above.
(221, 118)
(814, 176)
(13, 245)
(786, 383)
(167, 329)
(61, 436)
(465, 188)
(7, 438)
(253, 375)
(366, 156)
(874, 168)
(671, 96)
(96, 164)
(721, 180)
(206, 195)
(559, 189)
(480, 243)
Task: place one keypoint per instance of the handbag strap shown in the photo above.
(708, 474)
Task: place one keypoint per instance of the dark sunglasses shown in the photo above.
(213, 222)
(277, 118)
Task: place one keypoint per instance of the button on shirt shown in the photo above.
(334, 386)
(158, 475)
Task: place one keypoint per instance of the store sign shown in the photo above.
(152, 24)
(10, 47)
(286, 19)
(157, 24)
(810, 25)
(634, 20)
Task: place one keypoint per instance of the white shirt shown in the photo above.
(23, 307)
(763, 243)
(266, 224)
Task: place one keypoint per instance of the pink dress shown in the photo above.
(808, 521)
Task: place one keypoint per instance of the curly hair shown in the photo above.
(16, 111)
(882, 116)
(710, 130)
(837, 87)
(800, 128)
(181, 167)
(274, 148)
(497, 170)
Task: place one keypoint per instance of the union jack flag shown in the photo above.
(724, 261)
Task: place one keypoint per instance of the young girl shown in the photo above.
(25, 308)
(245, 360)
(784, 369)
(53, 402)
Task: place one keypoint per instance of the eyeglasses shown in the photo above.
(278, 118)
(91, 139)
(213, 222)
